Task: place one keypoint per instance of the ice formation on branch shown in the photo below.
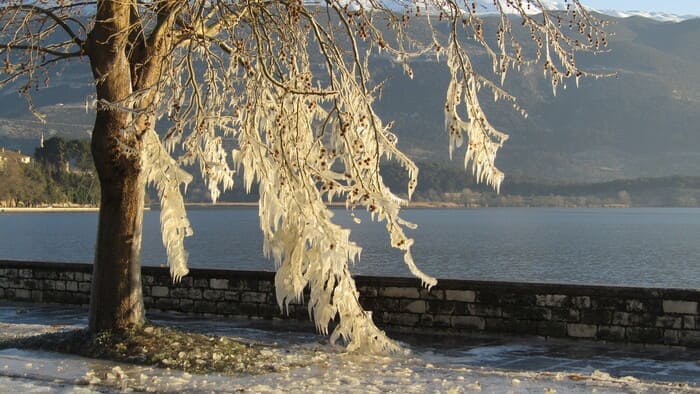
(288, 86)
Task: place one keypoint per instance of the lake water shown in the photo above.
(637, 247)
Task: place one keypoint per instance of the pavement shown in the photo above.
(434, 364)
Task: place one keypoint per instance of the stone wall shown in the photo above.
(456, 307)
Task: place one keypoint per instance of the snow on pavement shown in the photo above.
(325, 368)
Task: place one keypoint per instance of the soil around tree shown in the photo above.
(162, 347)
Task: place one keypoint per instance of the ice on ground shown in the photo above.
(311, 365)
(326, 371)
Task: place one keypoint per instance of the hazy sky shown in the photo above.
(673, 6)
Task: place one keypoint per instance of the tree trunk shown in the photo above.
(116, 301)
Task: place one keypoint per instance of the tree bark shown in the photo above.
(116, 300)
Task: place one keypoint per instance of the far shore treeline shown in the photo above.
(61, 173)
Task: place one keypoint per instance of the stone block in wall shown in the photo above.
(432, 294)
(403, 319)
(71, 285)
(4, 283)
(213, 295)
(526, 313)
(148, 302)
(38, 274)
(242, 284)
(520, 327)
(671, 337)
(60, 285)
(689, 322)
(612, 303)
(644, 334)
(460, 295)
(621, 318)
(66, 275)
(511, 326)
(160, 291)
(147, 279)
(367, 291)
(581, 302)
(417, 306)
(441, 321)
(30, 284)
(441, 307)
(194, 294)
(592, 316)
(201, 283)
(681, 307)
(87, 277)
(495, 297)
(202, 306)
(26, 273)
(555, 329)
(497, 325)
(578, 330)
(666, 321)
(266, 286)
(63, 297)
(232, 295)
(227, 308)
(635, 306)
(642, 319)
(368, 303)
(253, 297)
(387, 304)
(11, 273)
(469, 322)
(399, 292)
(552, 300)
(2, 293)
(186, 305)
(269, 311)
(484, 310)
(84, 287)
(218, 284)
(689, 338)
(168, 304)
(179, 292)
(37, 296)
(21, 294)
(425, 320)
(566, 315)
(248, 309)
(611, 333)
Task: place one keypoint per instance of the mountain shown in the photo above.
(488, 7)
(645, 122)
(659, 16)
(642, 123)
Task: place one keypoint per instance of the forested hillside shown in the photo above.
(644, 122)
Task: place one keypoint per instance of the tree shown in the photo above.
(290, 82)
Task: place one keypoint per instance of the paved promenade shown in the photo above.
(311, 365)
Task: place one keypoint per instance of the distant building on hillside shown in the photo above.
(6, 155)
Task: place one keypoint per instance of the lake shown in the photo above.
(636, 247)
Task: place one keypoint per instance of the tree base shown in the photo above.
(160, 347)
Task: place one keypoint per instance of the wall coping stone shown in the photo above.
(572, 290)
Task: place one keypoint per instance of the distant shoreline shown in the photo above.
(446, 205)
(49, 209)
(412, 205)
